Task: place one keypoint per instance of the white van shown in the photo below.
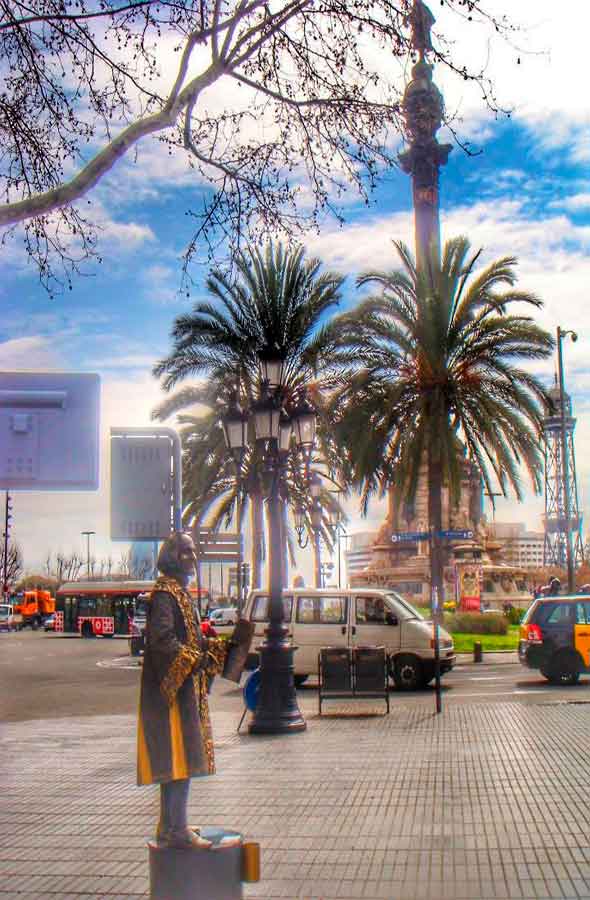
(349, 617)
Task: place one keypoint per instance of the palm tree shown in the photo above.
(429, 370)
(274, 304)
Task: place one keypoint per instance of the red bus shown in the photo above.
(102, 608)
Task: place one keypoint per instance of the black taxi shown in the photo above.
(555, 637)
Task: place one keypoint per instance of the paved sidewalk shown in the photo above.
(481, 802)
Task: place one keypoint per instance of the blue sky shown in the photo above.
(527, 193)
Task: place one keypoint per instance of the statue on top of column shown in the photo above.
(421, 20)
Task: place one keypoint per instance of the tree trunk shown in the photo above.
(317, 558)
(284, 549)
(257, 532)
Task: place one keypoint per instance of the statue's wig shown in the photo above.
(169, 555)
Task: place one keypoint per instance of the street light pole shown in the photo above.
(277, 711)
(561, 333)
(88, 533)
(7, 518)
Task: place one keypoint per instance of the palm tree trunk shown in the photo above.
(284, 551)
(257, 532)
(317, 558)
(277, 545)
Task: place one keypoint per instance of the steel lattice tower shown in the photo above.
(555, 549)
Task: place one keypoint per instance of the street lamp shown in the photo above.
(561, 333)
(300, 529)
(88, 533)
(336, 527)
(277, 711)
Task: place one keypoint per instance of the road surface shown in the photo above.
(50, 676)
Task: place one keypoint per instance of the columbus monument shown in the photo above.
(406, 564)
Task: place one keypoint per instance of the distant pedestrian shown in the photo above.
(552, 589)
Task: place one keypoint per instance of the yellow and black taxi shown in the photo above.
(555, 637)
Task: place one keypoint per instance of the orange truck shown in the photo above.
(34, 607)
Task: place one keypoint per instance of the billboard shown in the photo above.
(49, 431)
(142, 487)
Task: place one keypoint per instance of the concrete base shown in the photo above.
(211, 874)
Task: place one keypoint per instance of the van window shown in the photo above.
(582, 614)
(322, 610)
(407, 608)
(332, 610)
(261, 604)
(305, 609)
(370, 611)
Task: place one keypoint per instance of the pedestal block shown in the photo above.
(210, 874)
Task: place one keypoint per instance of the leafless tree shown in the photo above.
(310, 107)
(133, 566)
(63, 567)
(14, 563)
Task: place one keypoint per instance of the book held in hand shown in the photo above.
(239, 648)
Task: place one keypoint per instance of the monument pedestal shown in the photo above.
(214, 873)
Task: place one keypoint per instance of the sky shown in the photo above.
(526, 192)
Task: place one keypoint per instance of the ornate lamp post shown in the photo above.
(277, 711)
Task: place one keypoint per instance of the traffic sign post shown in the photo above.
(409, 536)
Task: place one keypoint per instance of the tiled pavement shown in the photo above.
(480, 802)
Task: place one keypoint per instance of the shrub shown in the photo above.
(476, 623)
(514, 615)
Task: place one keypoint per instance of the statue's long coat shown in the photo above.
(174, 737)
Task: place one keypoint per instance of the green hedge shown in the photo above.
(476, 623)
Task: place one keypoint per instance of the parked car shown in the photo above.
(223, 615)
(137, 628)
(348, 617)
(9, 621)
(49, 623)
(555, 637)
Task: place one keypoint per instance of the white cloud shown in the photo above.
(32, 352)
(574, 203)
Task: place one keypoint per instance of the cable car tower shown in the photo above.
(560, 486)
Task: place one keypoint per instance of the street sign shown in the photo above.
(401, 536)
(217, 546)
(456, 534)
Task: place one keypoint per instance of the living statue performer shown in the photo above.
(175, 742)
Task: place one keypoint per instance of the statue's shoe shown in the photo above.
(231, 840)
(188, 839)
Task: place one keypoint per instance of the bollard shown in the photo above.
(250, 862)
(214, 873)
(477, 652)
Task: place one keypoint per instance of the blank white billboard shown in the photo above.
(49, 431)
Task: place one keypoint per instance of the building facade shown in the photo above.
(520, 547)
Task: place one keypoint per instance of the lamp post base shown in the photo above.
(277, 711)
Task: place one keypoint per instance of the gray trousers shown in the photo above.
(173, 805)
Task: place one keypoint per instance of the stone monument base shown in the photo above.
(214, 873)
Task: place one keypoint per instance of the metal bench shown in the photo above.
(360, 673)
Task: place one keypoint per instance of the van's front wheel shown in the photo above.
(407, 672)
